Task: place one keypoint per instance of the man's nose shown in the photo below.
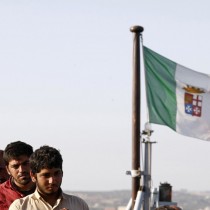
(51, 179)
(22, 168)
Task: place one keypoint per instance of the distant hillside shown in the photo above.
(114, 199)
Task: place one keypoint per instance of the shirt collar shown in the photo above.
(38, 196)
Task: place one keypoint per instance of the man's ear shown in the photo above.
(33, 176)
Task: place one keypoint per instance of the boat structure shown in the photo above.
(147, 197)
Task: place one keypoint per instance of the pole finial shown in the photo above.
(136, 29)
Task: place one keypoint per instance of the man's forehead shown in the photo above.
(19, 159)
(49, 170)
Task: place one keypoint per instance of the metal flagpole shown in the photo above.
(147, 171)
(136, 96)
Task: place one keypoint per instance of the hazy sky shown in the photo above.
(66, 81)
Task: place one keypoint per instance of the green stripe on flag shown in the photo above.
(161, 88)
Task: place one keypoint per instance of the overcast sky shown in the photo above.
(66, 81)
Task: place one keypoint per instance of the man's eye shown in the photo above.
(46, 175)
(15, 166)
(58, 173)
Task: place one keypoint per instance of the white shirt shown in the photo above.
(36, 202)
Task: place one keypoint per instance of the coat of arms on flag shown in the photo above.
(193, 104)
(193, 101)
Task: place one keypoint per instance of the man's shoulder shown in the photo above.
(19, 202)
(76, 200)
(5, 184)
(24, 199)
(71, 196)
(5, 187)
(7, 195)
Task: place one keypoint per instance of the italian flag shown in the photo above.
(177, 97)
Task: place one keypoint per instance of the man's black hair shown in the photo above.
(15, 149)
(45, 157)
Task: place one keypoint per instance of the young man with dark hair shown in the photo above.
(16, 157)
(46, 172)
(4, 176)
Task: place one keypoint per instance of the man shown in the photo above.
(46, 172)
(16, 156)
(4, 176)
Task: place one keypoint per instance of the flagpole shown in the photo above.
(136, 106)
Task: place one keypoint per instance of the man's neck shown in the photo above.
(23, 188)
(51, 198)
